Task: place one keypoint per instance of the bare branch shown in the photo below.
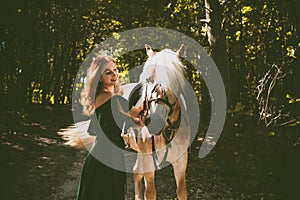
(271, 114)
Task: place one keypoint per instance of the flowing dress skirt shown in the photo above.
(99, 181)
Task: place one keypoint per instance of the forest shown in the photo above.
(254, 44)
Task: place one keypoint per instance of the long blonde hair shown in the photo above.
(92, 88)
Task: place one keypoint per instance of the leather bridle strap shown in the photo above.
(155, 158)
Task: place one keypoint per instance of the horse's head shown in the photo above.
(164, 67)
(162, 80)
(162, 113)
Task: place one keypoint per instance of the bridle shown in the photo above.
(170, 127)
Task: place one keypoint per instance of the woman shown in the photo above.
(99, 181)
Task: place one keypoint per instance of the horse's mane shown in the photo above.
(166, 68)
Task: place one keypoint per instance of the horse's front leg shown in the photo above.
(150, 191)
(180, 171)
(137, 180)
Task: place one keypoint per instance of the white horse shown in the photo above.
(166, 136)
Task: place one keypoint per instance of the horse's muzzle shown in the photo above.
(155, 124)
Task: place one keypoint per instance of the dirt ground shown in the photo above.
(247, 162)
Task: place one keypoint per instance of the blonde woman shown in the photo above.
(101, 96)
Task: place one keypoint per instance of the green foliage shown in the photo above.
(237, 109)
(292, 100)
(45, 43)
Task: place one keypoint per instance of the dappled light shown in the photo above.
(254, 44)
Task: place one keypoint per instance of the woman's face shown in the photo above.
(110, 75)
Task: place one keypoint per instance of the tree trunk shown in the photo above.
(217, 41)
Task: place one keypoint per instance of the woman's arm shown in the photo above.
(129, 116)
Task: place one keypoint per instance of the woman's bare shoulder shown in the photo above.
(101, 99)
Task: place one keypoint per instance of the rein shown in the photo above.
(155, 158)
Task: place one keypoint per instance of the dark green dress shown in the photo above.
(99, 181)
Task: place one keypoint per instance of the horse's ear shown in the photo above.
(181, 51)
(149, 50)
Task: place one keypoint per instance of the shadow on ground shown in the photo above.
(248, 162)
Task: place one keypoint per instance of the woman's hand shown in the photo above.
(135, 114)
(130, 140)
(139, 121)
